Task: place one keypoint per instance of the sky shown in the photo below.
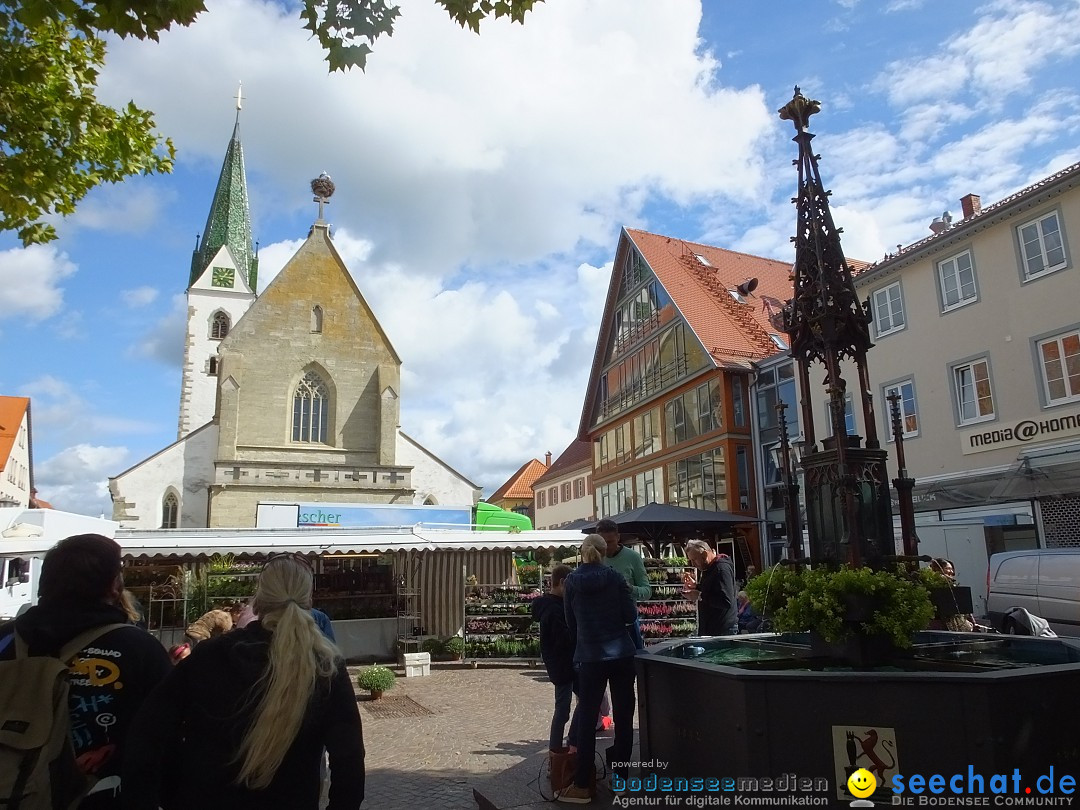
(482, 182)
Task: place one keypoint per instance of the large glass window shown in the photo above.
(888, 309)
(1041, 246)
(698, 481)
(974, 399)
(1060, 358)
(742, 467)
(311, 409)
(957, 278)
(693, 413)
(646, 429)
(775, 385)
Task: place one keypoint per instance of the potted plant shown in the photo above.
(858, 614)
(376, 679)
(454, 648)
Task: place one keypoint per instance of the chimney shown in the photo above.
(970, 205)
(547, 459)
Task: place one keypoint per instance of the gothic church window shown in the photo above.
(170, 510)
(311, 409)
(220, 326)
(316, 318)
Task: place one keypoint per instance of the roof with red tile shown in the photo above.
(577, 454)
(12, 412)
(699, 280)
(520, 484)
(729, 330)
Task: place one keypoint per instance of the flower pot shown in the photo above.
(376, 694)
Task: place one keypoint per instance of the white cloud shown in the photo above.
(30, 281)
(443, 159)
(76, 478)
(139, 296)
(62, 414)
(994, 58)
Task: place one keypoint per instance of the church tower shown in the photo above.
(221, 287)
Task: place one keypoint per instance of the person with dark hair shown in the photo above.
(557, 651)
(81, 591)
(249, 713)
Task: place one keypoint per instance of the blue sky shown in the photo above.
(482, 182)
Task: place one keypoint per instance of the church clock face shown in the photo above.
(223, 277)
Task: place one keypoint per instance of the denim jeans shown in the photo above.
(563, 693)
(593, 678)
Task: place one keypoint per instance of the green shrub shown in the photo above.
(829, 602)
(376, 678)
(454, 646)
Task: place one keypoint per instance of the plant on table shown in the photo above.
(376, 679)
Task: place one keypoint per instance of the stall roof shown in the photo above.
(323, 540)
(201, 543)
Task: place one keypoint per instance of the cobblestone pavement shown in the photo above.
(483, 721)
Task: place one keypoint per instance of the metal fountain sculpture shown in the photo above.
(849, 515)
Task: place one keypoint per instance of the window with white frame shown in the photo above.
(579, 488)
(553, 495)
(974, 399)
(1042, 248)
(956, 275)
(888, 309)
(1060, 359)
(540, 500)
(566, 492)
(909, 415)
(849, 415)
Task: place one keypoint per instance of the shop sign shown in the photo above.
(1019, 433)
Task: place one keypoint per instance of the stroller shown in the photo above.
(1019, 621)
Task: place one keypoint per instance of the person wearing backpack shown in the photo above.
(73, 673)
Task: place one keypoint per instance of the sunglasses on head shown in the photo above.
(293, 555)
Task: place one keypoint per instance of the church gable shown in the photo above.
(312, 361)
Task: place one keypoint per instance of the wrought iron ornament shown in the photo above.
(848, 514)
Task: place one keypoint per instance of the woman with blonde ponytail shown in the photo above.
(250, 713)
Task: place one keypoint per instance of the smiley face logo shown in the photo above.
(861, 783)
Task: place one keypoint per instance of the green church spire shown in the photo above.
(229, 222)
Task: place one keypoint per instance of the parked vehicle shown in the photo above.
(1043, 581)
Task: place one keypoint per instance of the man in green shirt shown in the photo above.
(630, 565)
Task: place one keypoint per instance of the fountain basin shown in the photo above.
(766, 705)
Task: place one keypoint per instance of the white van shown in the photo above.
(1046, 581)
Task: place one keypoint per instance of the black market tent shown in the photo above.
(656, 522)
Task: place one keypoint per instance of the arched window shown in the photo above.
(220, 326)
(316, 318)
(211, 367)
(311, 409)
(170, 510)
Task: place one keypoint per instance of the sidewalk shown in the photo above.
(431, 740)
